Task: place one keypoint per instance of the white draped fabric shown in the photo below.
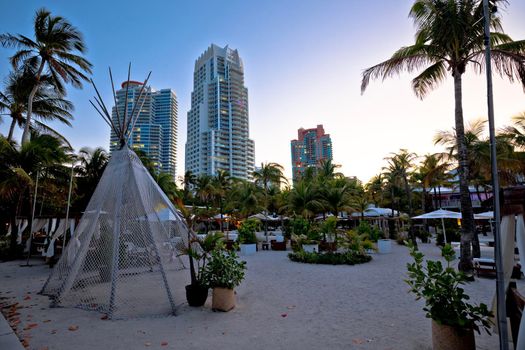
(511, 225)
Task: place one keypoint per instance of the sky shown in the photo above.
(303, 61)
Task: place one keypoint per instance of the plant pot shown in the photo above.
(223, 299)
(384, 246)
(196, 294)
(311, 248)
(248, 249)
(447, 337)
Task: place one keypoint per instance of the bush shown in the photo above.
(223, 270)
(372, 232)
(445, 301)
(247, 231)
(330, 258)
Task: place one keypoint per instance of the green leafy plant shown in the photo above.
(223, 270)
(331, 258)
(199, 251)
(247, 231)
(372, 232)
(445, 301)
(356, 242)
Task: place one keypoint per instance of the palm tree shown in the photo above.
(47, 104)
(92, 165)
(450, 36)
(167, 185)
(270, 174)
(56, 46)
(246, 199)
(188, 181)
(305, 199)
(44, 154)
(221, 184)
(400, 166)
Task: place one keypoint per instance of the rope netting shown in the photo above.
(123, 259)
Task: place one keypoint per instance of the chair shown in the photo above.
(515, 305)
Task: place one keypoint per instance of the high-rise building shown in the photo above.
(155, 130)
(310, 149)
(218, 124)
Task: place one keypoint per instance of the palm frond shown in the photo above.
(429, 79)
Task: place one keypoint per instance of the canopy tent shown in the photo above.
(270, 217)
(440, 214)
(376, 212)
(484, 216)
(119, 262)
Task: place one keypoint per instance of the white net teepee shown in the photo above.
(122, 260)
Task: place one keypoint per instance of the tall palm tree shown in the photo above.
(47, 104)
(449, 37)
(270, 174)
(56, 50)
(188, 181)
(400, 166)
(221, 184)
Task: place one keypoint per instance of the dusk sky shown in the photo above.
(303, 61)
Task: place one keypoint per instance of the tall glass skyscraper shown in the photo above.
(218, 125)
(310, 149)
(155, 131)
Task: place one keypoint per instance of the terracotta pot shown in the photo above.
(223, 299)
(447, 337)
(196, 295)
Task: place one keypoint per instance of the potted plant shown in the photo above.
(223, 273)
(453, 318)
(247, 238)
(199, 251)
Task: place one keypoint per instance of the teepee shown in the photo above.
(123, 258)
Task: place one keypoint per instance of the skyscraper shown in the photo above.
(310, 149)
(218, 125)
(155, 131)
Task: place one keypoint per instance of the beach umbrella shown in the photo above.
(440, 214)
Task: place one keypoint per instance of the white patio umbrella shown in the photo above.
(440, 214)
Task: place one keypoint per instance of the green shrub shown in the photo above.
(223, 270)
(330, 258)
(247, 231)
(445, 302)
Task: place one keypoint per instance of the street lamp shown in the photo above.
(500, 278)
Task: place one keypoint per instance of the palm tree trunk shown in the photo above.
(467, 226)
(11, 130)
(411, 232)
(25, 135)
(435, 201)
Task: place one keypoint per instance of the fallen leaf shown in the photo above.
(54, 331)
(164, 343)
(105, 317)
(32, 325)
(358, 341)
(284, 315)
(27, 297)
(46, 321)
(147, 343)
(290, 307)
(72, 328)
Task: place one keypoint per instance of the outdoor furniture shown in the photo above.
(515, 305)
(485, 266)
(281, 246)
(265, 246)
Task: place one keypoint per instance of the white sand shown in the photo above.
(280, 305)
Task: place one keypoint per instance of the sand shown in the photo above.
(280, 305)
